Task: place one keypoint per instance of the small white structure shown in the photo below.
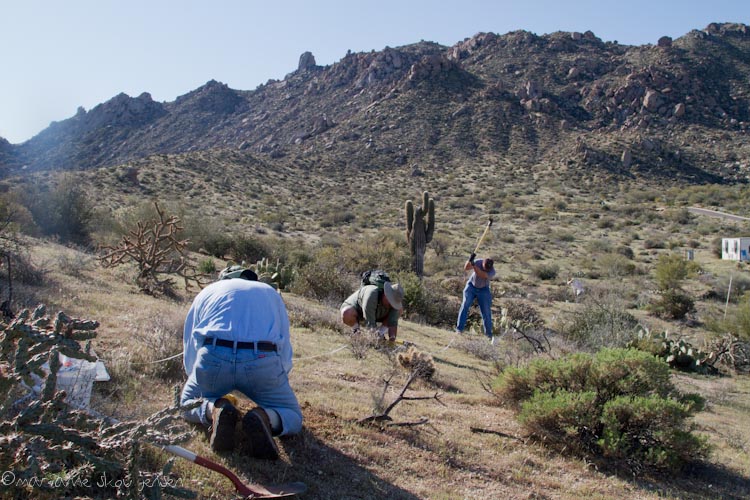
(735, 249)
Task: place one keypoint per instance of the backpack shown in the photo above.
(375, 277)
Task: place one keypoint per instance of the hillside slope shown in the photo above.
(470, 447)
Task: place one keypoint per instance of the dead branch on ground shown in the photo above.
(381, 417)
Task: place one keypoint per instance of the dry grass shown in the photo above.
(470, 448)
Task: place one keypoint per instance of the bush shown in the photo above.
(64, 211)
(249, 249)
(740, 285)
(671, 270)
(386, 250)
(736, 321)
(601, 321)
(716, 247)
(626, 252)
(650, 244)
(615, 265)
(207, 266)
(618, 403)
(324, 278)
(425, 302)
(672, 304)
(546, 272)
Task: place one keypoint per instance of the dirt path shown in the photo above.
(714, 213)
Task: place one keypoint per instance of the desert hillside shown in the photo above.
(619, 168)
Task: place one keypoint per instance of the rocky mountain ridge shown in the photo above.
(677, 109)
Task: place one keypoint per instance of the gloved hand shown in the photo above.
(472, 257)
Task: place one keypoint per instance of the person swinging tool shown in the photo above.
(478, 287)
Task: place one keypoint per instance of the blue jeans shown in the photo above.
(257, 375)
(484, 299)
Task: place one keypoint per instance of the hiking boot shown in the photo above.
(223, 423)
(258, 437)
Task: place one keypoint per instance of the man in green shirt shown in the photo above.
(373, 305)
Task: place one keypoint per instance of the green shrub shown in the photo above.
(626, 252)
(207, 266)
(64, 210)
(602, 320)
(324, 278)
(217, 244)
(546, 272)
(386, 250)
(672, 304)
(249, 249)
(681, 216)
(649, 430)
(650, 244)
(716, 247)
(618, 403)
(615, 265)
(722, 291)
(735, 322)
(425, 302)
(671, 270)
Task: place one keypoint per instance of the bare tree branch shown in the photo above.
(157, 252)
(384, 415)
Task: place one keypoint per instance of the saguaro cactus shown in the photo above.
(420, 226)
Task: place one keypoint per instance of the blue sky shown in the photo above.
(58, 55)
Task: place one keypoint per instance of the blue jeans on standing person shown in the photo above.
(484, 299)
(256, 374)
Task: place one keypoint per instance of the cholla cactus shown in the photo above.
(420, 226)
(418, 361)
(43, 438)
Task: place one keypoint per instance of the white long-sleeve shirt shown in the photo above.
(237, 310)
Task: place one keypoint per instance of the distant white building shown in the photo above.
(735, 249)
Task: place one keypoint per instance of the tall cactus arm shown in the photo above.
(409, 219)
(430, 220)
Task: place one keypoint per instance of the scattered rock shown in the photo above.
(627, 158)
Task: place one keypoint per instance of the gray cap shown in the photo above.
(395, 294)
(238, 272)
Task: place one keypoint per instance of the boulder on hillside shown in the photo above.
(651, 100)
(665, 41)
(306, 61)
(431, 66)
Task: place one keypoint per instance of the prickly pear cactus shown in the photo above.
(274, 274)
(420, 226)
(678, 353)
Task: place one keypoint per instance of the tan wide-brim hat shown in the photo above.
(395, 294)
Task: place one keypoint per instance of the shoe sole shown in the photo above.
(222, 432)
(258, 437)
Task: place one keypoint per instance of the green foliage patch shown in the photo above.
(617, 403)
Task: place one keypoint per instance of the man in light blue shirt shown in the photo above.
(236, 337)
(478, 287)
